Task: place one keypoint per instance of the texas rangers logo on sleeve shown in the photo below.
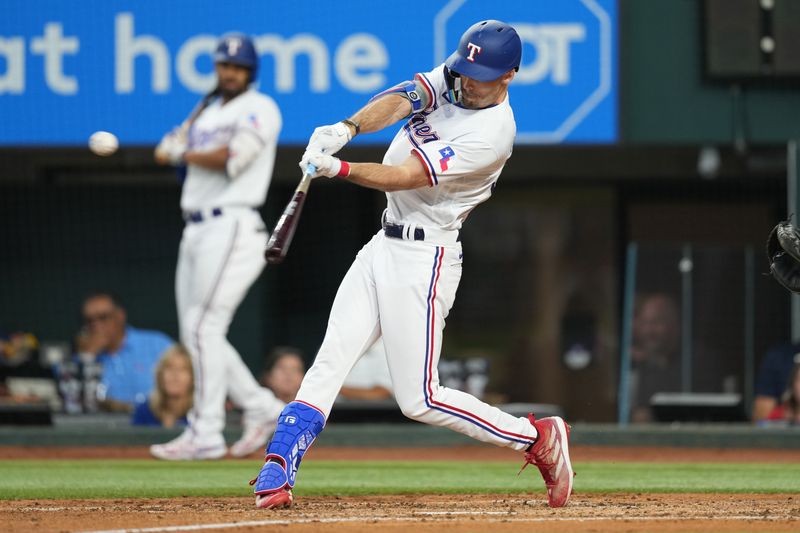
(446, 154)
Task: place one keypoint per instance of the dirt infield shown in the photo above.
(499, 513)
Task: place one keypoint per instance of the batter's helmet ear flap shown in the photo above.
(453, 81)
(238, 49)
(486, 51)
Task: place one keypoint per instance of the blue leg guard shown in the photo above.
(298, 426)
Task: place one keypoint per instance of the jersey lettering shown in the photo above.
(422, 130)
(202, 138)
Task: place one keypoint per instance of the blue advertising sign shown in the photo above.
(137, 67)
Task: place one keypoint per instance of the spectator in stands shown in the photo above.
(655, 352)
(284, 372)
(773, 381)
(369, 379)
(788, 411)
(171, 399)
(127, 355)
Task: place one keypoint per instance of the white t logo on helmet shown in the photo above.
(233, 46)
(473, 49)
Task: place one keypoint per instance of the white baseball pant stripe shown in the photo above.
(403, 290)
(219, 260)
(428, 388)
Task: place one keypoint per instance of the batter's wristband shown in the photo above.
(356, 125)
(344, 171)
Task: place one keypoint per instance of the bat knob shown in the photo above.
(273, 256)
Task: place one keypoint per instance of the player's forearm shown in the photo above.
(213, 159)
(386, 178)
(381, 112)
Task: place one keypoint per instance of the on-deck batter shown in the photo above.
(442, 163)
(230, 151)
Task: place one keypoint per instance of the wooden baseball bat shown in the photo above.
(281, 238)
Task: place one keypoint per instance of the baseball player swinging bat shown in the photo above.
(281, 238)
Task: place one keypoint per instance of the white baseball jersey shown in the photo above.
(220, 257)
(250, 113)
(463, 152)
(401, 286)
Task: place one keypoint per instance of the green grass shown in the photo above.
(27, 479)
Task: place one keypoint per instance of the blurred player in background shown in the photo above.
(228, 144)
(442, 163)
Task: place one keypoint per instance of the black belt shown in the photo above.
(197, 216)
(396, 231)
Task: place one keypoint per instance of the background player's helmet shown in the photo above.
(237, 49)
(486, 51)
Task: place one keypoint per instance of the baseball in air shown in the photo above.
(103, 143)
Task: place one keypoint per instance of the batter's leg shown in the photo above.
(412, 316)
(352, 328)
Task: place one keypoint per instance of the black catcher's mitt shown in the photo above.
(783, 254)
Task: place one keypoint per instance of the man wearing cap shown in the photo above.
(228, 145)
(458, 131)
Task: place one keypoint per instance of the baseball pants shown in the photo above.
(403, 290)
(219, 259)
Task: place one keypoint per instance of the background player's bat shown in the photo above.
(281, 238)
(181, 133)
(199, 108)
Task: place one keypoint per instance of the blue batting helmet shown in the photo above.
(486, 51)
(237, 49)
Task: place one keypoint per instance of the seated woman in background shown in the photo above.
(788, 410)
(171, 400)
(283, 372)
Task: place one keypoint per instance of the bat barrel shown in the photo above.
(281, 238)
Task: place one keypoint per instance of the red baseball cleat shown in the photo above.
(550, 454)
(274, 500)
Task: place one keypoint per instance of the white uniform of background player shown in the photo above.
(442, 163)
(230, 151)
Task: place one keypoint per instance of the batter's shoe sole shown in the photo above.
(275, 500)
